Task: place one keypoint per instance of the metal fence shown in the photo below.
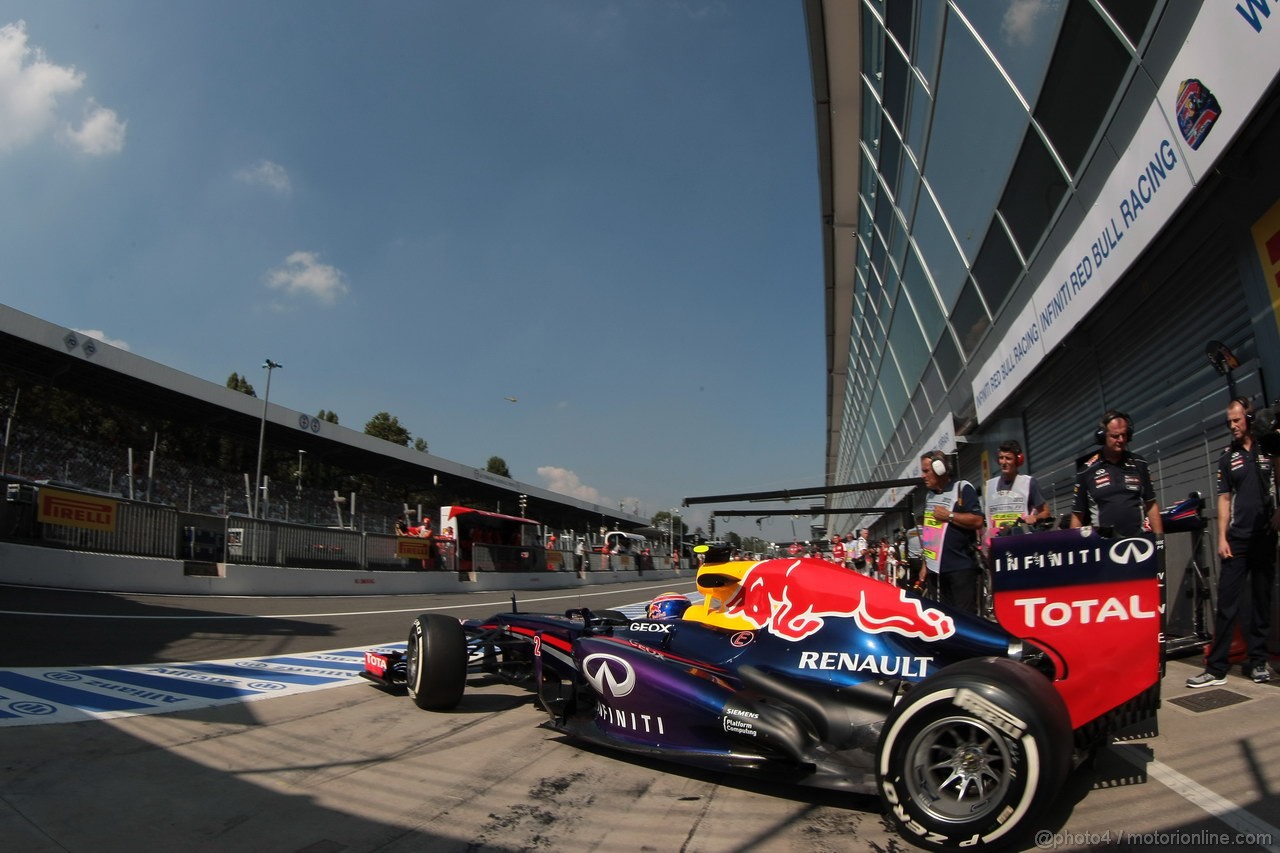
(153, 530)
(143, 530)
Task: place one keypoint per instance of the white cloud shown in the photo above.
(565, 482)
(1020, 19)
(99, 335)
(30, 87)
(102, 131)
(303, 273)
(267, 174)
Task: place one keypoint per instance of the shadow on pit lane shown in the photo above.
(852, 810)
(474, 702)
(487, 702)
(131, 794)
(65, 628)
(1103, 769)
(848, 800)
(1107, 769)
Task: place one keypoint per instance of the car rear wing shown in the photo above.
(1095, 605)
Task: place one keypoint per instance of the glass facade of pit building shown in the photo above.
(1035, 211)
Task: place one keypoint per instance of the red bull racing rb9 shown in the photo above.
(797, 670)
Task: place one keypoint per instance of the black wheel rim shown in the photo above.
(959, 769)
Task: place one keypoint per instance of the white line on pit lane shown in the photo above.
(40, 695)
(1230, 813)
(488, 606)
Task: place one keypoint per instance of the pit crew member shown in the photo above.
(952, 517)
(1247, 545)
(1012, 497)
(1113, 487)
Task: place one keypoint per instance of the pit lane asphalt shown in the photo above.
(357, 769)
(40, 627)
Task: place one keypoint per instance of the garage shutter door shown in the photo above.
(1142, 351)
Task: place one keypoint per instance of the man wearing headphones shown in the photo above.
(1012, 497)
(1247, 546)
(1113, 488)
(952, 516)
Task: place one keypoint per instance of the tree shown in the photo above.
(498, 465)
(236, 382)
(420, 444)
(329, 417)
(387, 427)
(663, 517)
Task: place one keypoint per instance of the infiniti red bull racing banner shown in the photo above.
(73, 509)
(1223, 72)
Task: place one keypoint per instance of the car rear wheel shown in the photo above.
(436, 662)
(970, 756)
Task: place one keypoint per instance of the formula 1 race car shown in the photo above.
(799, 670)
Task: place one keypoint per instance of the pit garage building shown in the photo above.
(1034, 212)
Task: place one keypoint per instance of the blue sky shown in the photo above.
(607, 210)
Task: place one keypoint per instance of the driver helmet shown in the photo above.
(669, 605)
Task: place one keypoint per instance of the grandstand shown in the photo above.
(152, 405)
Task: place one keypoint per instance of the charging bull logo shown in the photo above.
(793, 599)
(1197, 110)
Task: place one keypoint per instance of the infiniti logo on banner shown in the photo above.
(609, 675)
(1132, 550)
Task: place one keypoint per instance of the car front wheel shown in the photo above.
(436, 662)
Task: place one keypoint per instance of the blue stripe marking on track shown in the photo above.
(262, 674)
(88, 692)
(314, 663)
(54, 692)
(171, 684)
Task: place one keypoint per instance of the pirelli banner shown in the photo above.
(413, 548)
(75, 509)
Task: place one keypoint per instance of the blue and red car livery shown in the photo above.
(800, 670)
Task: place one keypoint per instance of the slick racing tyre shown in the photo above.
(970, 756)
(436, 662)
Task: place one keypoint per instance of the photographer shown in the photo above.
(1247, 546)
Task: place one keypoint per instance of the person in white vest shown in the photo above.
(952, 517)
(858, 552)
(1012, 497)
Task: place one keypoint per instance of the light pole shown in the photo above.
(269, 366)
(678, 530)
(300, 454)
